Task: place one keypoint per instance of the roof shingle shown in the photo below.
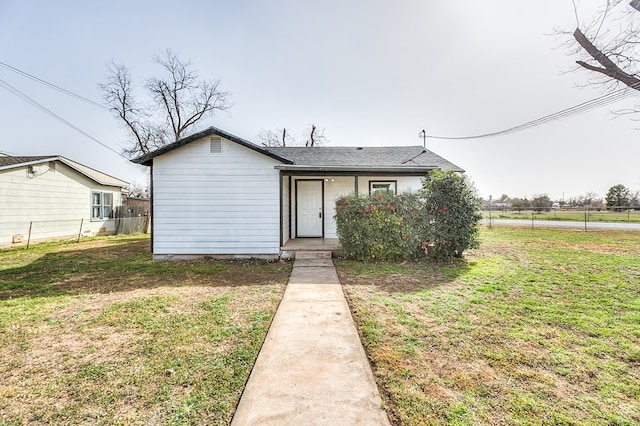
(394, 156)
(9, 162)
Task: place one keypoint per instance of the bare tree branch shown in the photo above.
(610, 45)
(270, 138)
(179, 102)
(609, 68)
(316, 138)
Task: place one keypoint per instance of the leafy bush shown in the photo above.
(440, 221)
(454, 212)
(381, 226)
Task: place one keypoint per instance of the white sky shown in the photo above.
(371, 72)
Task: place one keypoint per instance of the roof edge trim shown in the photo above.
(147, 159)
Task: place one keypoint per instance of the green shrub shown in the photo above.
(381, 226)
(454, 212)
(441, 221)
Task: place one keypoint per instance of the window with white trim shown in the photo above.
(101, 205)
(387, 185)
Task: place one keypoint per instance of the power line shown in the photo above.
(581, 108)
(47, 111)
(51, 85)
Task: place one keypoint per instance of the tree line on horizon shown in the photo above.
(618, 197)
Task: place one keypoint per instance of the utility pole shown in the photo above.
(423, 135)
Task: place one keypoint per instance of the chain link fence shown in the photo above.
(128, 220)
(616, 217)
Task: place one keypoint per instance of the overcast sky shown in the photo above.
(370, 72)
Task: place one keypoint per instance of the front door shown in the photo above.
(309, 210)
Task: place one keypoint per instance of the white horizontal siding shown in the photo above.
(215, 203)
(337, 186)
(53, 202)
(226, 204)
(180, 222)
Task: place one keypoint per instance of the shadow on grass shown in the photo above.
(404, 277)
(124, 267)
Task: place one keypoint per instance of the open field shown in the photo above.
(535, 327)
(572, 215)
(96, 333)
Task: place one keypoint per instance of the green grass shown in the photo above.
(569, 215)
(535, 327)
(97, 333)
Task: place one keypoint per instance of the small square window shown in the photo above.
(387, 185)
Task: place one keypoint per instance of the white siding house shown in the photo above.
(215, 194)
(43, 198)
(215, 197)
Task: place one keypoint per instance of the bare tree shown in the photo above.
(316, 137)
(139, 190)
(274, 138)
(610, 44)
(280, 137)
(178, 102)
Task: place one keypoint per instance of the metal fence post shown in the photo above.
(80, 231)
(29, 238)
(532, 218)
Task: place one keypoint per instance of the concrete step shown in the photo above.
(313, 254)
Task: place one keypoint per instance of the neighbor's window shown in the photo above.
(387, 185)
(107, 205)
(101, 205)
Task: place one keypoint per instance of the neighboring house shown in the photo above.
(143, 203)
(219, 195)
(52, 197)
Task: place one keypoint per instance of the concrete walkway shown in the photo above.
(312, 369)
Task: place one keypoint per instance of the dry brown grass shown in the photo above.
(97, 333)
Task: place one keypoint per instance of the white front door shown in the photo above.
(309, 208)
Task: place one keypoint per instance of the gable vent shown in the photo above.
(215, 143)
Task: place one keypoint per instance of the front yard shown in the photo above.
(97, 333)
(535, 327)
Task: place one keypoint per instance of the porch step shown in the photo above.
(316, 254)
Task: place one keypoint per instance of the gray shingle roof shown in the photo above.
(395, 156)
(9, 162)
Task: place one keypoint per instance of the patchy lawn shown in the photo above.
(97, 333)
(535, 327)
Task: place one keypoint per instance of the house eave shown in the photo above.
(28, 163)
(289, 169)
(118, 183)
(147, 159)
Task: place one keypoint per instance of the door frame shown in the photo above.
(321, 204)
